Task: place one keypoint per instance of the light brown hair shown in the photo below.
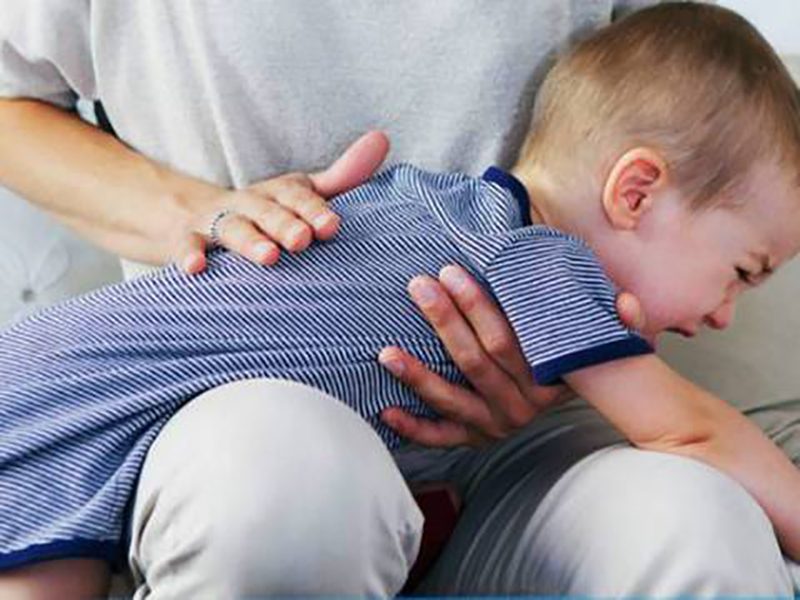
(695, 82)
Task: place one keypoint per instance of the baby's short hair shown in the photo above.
(696, 82)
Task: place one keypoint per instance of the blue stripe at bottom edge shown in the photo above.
(550, 372)
(76, 548)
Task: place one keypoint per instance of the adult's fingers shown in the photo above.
(295, 193)
(190, 254)
(630, 311)
(456, 403)
(298, 196)
(278, 223)
(488, 322)
(441, 434)
(237, 232)
(500, 391)
(288, 217)
(357, 164)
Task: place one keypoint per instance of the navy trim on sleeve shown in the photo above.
(550, 373)
(513, 185)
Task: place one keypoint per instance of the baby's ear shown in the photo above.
(631, 186)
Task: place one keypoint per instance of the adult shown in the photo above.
(213, 103)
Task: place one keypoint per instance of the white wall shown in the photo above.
(777, 20)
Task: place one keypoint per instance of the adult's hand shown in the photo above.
(480, 341)
(288, 211)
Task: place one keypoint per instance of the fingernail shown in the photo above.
(323, 220)
(453, 278)
(189, 263)
(389, 419)
(263, 249)
(297, 231)
(423, 291)
(389, 359)
(394, 365)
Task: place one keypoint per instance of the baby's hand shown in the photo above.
(288, 211)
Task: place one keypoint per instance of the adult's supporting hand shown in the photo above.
(480, 341)
(287, 211)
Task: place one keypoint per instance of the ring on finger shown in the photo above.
(214, 227)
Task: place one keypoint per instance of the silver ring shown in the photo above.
(213, 229)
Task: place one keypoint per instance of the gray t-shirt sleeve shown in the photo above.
(45, 51)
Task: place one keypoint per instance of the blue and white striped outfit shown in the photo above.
(85, 386)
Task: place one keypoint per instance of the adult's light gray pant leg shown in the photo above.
(780, 420)
(265, 487)
(564, 508)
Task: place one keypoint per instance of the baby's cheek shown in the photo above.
(661, 312)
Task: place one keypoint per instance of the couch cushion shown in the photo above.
(41, 262)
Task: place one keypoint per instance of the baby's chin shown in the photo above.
(653, 338)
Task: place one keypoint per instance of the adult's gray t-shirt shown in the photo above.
(234, 91)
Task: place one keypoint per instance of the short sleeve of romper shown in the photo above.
(560, 303)
(45, 51)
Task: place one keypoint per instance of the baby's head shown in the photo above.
(670, 142)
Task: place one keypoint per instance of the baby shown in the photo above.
(662, 159)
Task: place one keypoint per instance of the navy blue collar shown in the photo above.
(513, 185)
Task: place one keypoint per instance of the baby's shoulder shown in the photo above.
(546, 258)
(542, 241)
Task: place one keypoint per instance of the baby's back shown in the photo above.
(320, 317)
(86, 386)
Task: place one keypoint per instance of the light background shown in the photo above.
(777, 20)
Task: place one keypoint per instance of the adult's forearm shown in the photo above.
(110, 194)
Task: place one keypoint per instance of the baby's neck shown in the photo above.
(575, 210)
(542, 195)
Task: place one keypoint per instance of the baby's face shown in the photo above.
(692, 267)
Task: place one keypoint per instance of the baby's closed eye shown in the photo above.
(745, 276)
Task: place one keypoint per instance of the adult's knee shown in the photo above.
(269, 487)
(628, 522)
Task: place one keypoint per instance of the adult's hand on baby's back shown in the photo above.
(504, 396)
(288, 211)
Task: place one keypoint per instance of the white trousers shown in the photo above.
(267, 487)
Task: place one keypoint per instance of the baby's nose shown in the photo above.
(721, 317)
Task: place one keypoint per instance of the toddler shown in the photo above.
(662, 159)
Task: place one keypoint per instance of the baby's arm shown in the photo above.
(657, 409)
